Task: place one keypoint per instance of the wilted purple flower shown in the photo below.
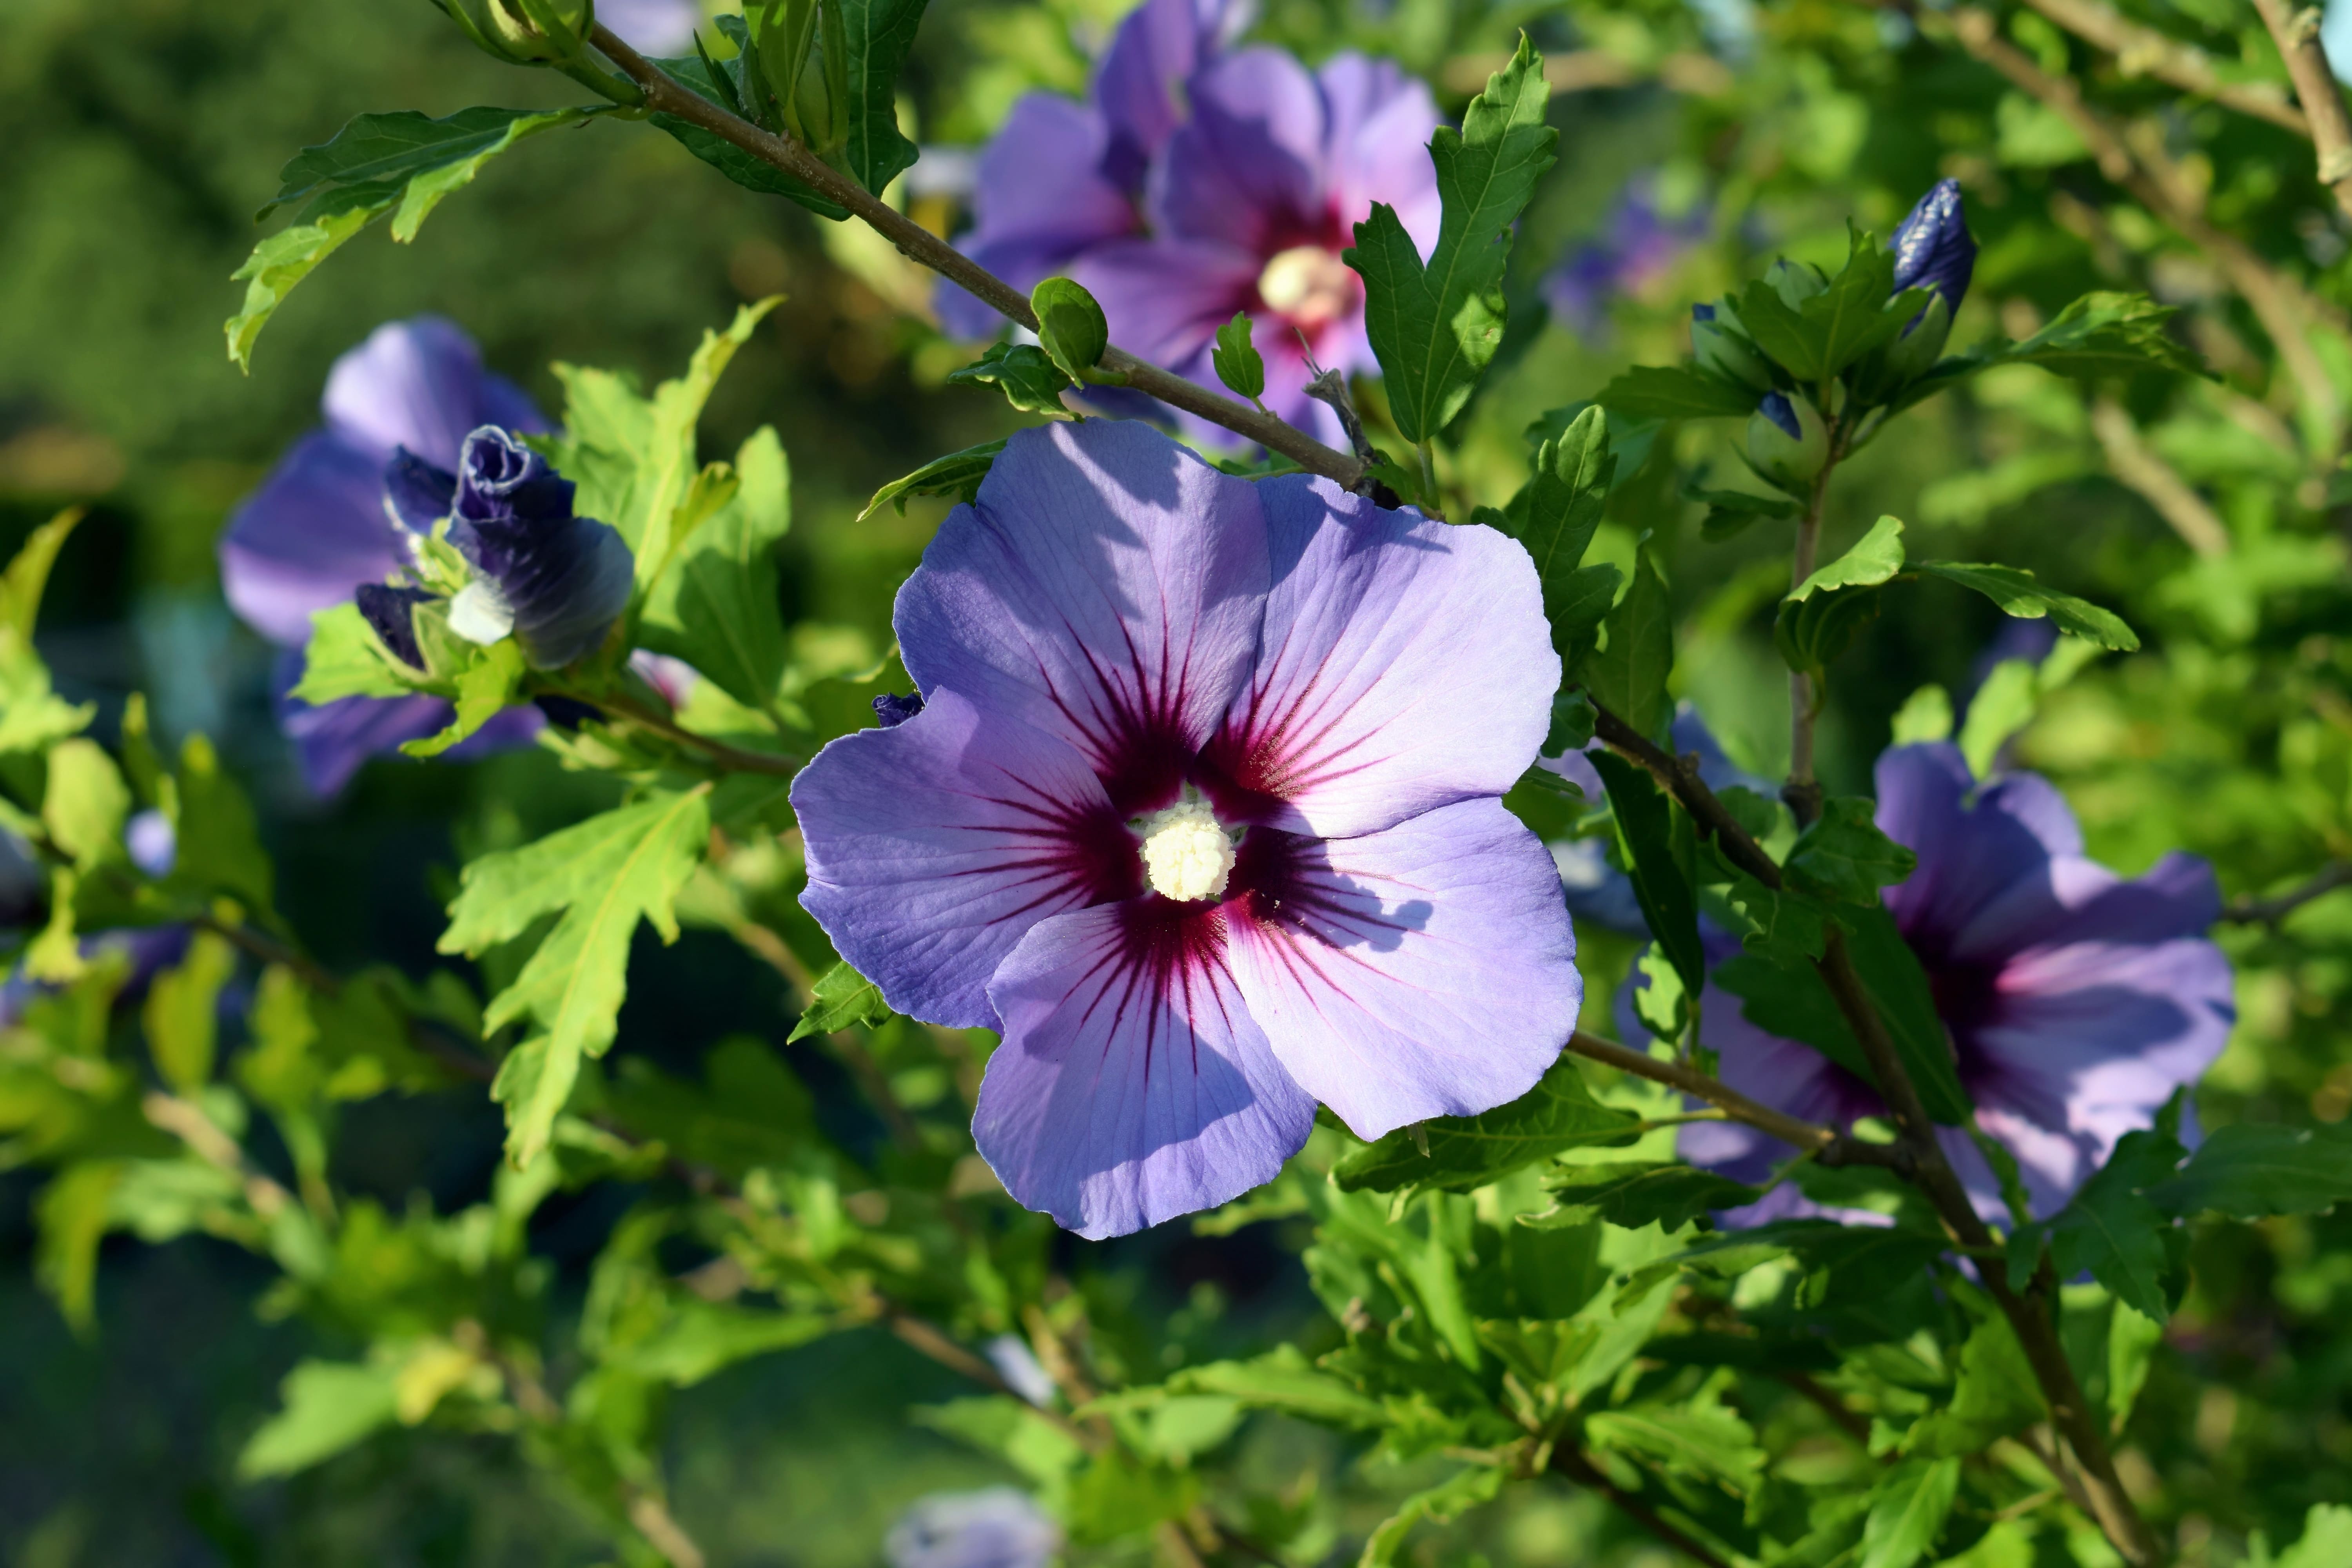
(999, 1528)
(1933, 248)
(1638, 246)
(1195, 814)
(2076, 1001)
(317, 528)
(555, 581)
(1247, 187)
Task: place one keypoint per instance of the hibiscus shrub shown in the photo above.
(1294, 806)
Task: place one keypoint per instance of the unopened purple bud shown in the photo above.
(1787, 442)
(417, 493)
(896, 710)
(1777, 408)
(1933, 248)
(390, 613)
(1702, 312)
(564, 580)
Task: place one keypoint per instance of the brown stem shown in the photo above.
(2270, 911)
(1836, 1147)
(665, 95)
(719, 752)
(1569, 1462)
(2296, 34)
(2029, 1315)
(2158, 482)
(2144, 52)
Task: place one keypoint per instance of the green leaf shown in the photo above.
(1994, 1394)
(328, 1407)
(1860, 309)
(752, 174)
(633, 457)
(1899, 992)
(2001, 707)
(1661, 852)
(219, 844)
(1469, 1151)
(877, 36)
(1925, 715)
(2251, 1172)
(1820, 616)
(1730, 512)
(344, 658)
(844, 999)
(1284, 1380)
(74, 1212)
(85, 803)
(1030, 380)
(2326, 1539)
(604, 874)
(1907, 1510)
(182, 1013)
(374, 163)
(1633, 1194)
(1676, 392)
(1238, 363)
(1701, 1439)
(719, 605)
(1554, 517)
(1798, 342)
(1844, 856)
(484, 687)
(1787, 997)
(1021, 1435)
(1784, 924)
(1070, 326)
(2103, 334)
(1435, 329)
(958, 474)
(2111, 1228)
(1440, 1504)
(1571, 723)
(31, 715)
(1628, 677)
(2017, 592)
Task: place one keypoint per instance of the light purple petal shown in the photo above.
(420, 383)
(1967, 858)
(660, 27)
(999, 1528)
(1428, 970)
(1247, 169)
(1381, 123)
(935, 844)
(313, 531)
(1404, 665)
(1041, 200)
(1132, 1086)
(1105, 586)
(1141, 86)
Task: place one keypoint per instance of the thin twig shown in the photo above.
(2144, 52)
(2157, 481)
(2270, 910)
(269, 950)
(665, 95)
(1569, 1462)
(1834, 1146)
(2296, 34)
(720, 751)
(1803, 791)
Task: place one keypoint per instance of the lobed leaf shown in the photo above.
(1469, 1151)
(719, 605)
(1633, 1193)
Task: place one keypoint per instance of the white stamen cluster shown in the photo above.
(1187, 856)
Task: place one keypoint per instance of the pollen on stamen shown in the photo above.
(1187, 854)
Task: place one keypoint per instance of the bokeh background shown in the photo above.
(141, 135)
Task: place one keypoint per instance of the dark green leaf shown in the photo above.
(1661, 851)
(2111, 1228)
(717, 607)
(1632, 1195)
(2106, 334)
(1907, 1510)
(1628, 677)
(1571, 723)
(1675, 392)
(1238, 363)
(1554, 517)
(2251, 1172)
(958, 474)
(1994, 1394)
(1070, 326)
(2017, 592)
(1467, 1152)
(843, 998)
(1701, 1439)
(1787, 925)
(1819, 619)
(1730, 512)
(1797, 342)
(1844, 856)
(752, 174)
(1788, 998)
(1435, 330)
(1899, 992)
(1030, 380)
(1860, 309)
(877, 36)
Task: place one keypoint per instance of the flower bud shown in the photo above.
(1719, 347)
(1795, 282)
(390, 613)
(1922, 343)
(1786, 440)
(1933, 248)
(526, 32)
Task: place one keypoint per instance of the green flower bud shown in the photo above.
(1911, 356)
(526, 32)
(1795, 282)
(1786, 440)
(1719, 348)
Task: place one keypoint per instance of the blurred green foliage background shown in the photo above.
(142, 134)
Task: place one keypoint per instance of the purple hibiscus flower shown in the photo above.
(1638, 247)
(998, 1528)
(1251, 182)
(1194, 814)
(318, 527)
(2076, 1001)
